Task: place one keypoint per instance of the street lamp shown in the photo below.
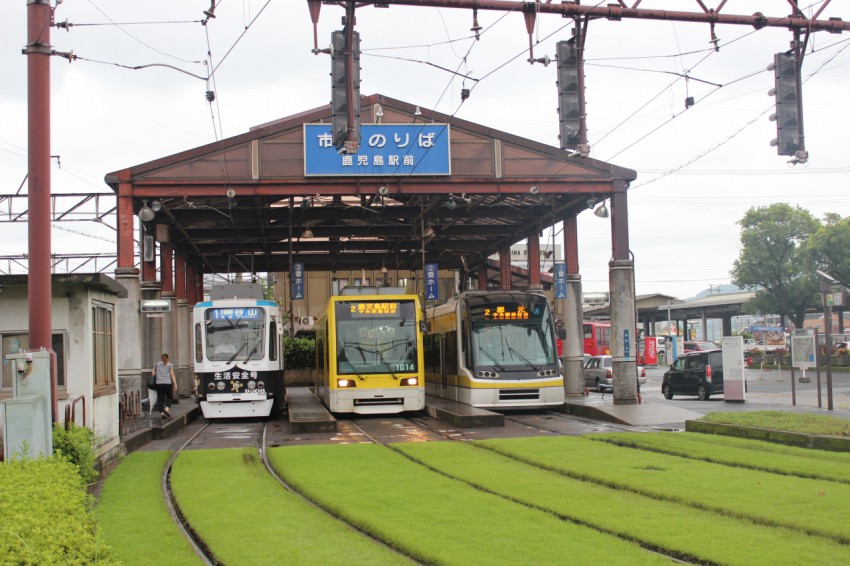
(826, 282)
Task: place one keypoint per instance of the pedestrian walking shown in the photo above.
(166, 384)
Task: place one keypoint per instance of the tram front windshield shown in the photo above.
(512, 336)
(376, 337)
(235, 333)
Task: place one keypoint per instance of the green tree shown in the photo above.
(774, 262)
(830, 247)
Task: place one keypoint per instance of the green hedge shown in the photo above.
(47, 515)
(76, 445)
(299, 353)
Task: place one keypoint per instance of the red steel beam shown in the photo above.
(619, 12)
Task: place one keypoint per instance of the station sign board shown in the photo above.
(386, 150)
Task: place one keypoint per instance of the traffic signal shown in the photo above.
(569, 102)
(787, 94)
(341, 106)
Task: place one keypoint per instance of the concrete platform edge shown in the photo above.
(591, 412)
(816, 441)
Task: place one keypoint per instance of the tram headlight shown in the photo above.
(410, 381)
(220, 386)
(252, 384)
(261, 385)
(211, 386)
(345, 383)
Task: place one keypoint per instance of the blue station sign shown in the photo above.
(386, 150)
(432, 290)
(560, 280)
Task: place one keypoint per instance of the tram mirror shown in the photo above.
(562, 333)
(423, 326)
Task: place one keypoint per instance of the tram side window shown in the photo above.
(273, 340)
(451, 353)
(199, 346)
(432, 353)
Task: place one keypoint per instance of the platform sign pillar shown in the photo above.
(734, 384)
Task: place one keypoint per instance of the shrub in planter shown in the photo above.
(299, 353)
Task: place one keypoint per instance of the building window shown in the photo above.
(12, 343)
(103, 351)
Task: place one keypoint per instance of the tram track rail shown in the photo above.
(208, 557)
(195, 541)
(418, 422)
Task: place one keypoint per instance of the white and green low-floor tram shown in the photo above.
(494, 349)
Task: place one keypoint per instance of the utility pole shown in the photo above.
(38, 52)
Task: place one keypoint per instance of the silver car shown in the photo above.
(598, 374)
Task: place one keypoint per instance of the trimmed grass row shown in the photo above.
(133, 517)
(808, 505)
(439, 520)
(732, 451)
(246, 517)
(673, 528)
(781, 420)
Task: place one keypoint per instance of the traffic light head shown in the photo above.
(786, 91)
(341, 106)
(569, 102)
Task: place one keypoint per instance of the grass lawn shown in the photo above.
(745, 453)
(440, 520)
(248, 518)
(133, 518)
(655, 523)
(809, 505)
(780, 420)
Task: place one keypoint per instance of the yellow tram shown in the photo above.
(369, 356)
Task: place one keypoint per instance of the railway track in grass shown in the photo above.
(239, 434)
(429, 432)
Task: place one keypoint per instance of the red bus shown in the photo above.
(597, 337)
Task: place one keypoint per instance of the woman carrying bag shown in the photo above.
(165, 384)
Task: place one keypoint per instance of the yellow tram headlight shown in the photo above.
(345, 383)
(410, 381)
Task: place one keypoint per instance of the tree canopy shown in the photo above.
(829, 248)
(776, 262)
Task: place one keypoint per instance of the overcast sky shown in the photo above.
(698, 170)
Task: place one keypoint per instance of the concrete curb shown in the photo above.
(817, 441)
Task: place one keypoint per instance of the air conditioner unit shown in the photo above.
(308, 321)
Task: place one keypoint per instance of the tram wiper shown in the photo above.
(384, 361)
(496, 364)
(526, 360)
(242, 347)
(253, 351)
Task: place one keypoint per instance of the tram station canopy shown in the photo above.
(281, 193)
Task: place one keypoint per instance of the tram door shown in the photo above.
(444, 372)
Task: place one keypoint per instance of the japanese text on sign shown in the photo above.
(431, 284)
(298, 280)
(387, 149)
(503, 313)
(373, 308)
(236, 313)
